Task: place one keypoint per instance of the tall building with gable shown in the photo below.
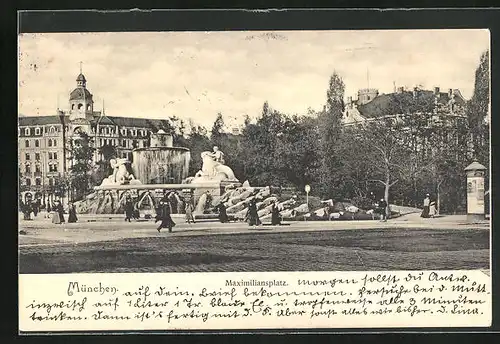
(40, 138)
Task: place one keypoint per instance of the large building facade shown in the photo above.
(371, 106)
(43, 148)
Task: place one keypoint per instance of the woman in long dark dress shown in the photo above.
(221, 208)
(275, 214)
(164, 215)
(253, 216)
(56, 218)
(426, 203)
(72, 213)
(60, 211)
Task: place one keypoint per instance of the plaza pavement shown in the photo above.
(97, 228)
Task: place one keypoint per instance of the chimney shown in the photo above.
(450, 92)
(436, 91)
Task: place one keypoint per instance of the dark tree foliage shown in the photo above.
(81, 167)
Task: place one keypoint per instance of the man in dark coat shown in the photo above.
(275, 214)
(252, 215)
(164, 215)
(382, 209)
(60, 211)
(129, 209)
(25, 208)
(221, 208)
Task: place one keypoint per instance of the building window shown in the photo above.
(54, 142)
(28, 182)
(51, 182)
(37, 131)
(50, 143)
(124, 143)
(80, 106)
(37, 156)
(135, 144)
(27, 156)
(37, 143)
(27, 169)
(72, 106)
(88, 106)
(52, 130)
(145, 143)
(38, 181)
(37, 169)
(53, 167)
(55, 155)
(27, 143)
(50, 155)
(124, 132)
(27, 131)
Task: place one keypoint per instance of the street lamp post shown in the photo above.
(63, 123)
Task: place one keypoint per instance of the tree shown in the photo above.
(217, 135)
(329, 129)
(197, 142)
(81, 154)
(478, 110)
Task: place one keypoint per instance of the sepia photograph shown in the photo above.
(254, 151)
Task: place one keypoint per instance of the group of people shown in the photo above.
(252, 215)
(55, 211)
(164, 211)
(58, 213)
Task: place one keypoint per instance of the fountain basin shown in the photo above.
(161, 165)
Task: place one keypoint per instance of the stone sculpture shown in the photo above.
(121, 174)
(212, 170)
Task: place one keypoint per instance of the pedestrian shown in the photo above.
(25, 210)
(72, 213)
(129, 208)
(432, 209)
(49, 210)
(35, 207)
(382, 209)
(275, 214)
(56, 217)
(221, 208)
(189, 208)
(60, 210)
(164, 215)
(252, 215)
(427, 202)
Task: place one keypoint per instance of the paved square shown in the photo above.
(210, 247)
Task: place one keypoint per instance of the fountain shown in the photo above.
(156, 171)
(161, 163)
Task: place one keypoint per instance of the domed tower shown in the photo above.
(80, 100)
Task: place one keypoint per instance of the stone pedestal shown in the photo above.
(215, 188)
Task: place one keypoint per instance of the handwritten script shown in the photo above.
(186, 301)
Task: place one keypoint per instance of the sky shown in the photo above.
(195, 75)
